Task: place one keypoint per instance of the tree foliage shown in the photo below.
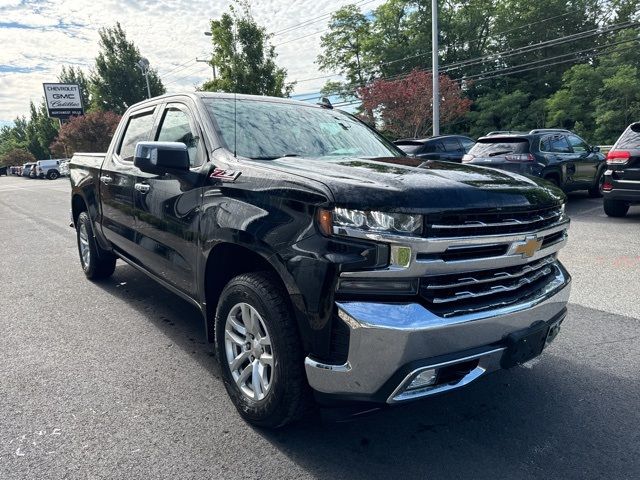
(405, 105)
(71, 74)
(244, 59)
(16, 156)
(512, 57)
(87, 133)
(116, 81)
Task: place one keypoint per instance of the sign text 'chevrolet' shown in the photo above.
(63, 99)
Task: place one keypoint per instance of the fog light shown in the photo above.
(400, 256)
(424, 379)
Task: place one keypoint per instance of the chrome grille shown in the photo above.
(490, 223)
(455, 294)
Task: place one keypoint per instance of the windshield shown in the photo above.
(499, 146)
(268, 130)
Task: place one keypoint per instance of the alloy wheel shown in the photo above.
(248, 351)
(85, 251)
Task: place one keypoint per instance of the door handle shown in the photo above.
(142, 187)
(106, 179)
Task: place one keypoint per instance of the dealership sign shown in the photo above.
(63, 99)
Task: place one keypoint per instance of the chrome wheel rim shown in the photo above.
(85, 252)
(248, 351)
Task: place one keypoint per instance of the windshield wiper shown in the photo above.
(275, 158)
(501, 152)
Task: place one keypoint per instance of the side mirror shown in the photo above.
(595, 149)
(161, 157)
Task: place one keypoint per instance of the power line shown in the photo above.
(518, 51)
(190, 74)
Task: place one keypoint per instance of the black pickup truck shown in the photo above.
(328, 266)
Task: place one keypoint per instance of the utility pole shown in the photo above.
(434, 70)
(143, 63)
(209, 34)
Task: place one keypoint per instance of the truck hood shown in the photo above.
(406, 184)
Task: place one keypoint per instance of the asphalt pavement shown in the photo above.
(115, 379)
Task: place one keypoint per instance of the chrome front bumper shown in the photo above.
(385, 338)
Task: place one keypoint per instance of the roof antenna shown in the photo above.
(325, 103)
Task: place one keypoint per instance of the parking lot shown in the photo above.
(115, 379)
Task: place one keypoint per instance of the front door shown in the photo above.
(587, 162)
(117, 179)
(167, 205)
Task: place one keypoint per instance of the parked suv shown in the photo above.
(559, 156)
(621, 185)
(48, 169)
(450, 148)
(26, 169)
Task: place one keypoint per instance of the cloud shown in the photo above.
(39, 36)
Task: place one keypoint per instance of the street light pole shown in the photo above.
(209, 34)
(143, 63)
(434, 61)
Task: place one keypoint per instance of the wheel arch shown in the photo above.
(226, 260)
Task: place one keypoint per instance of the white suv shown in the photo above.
(48, 168)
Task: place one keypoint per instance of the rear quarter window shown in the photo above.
(630, 138)
(499, 146)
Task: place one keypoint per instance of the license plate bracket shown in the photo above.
(524, 345)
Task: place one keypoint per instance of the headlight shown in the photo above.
(378, 222)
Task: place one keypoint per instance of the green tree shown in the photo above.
(40, 131)
(71, 74)
(16, 156)
(345, 51)
(116, 81)
(618, 103)
(243, 57)
(14, 137)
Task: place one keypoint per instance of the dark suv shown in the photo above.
(558, 156)
(621, 185)
(449, 148)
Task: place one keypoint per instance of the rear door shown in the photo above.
(166, 206)
(432, 150)
(453, 149)
(117, 178)
(587, 162)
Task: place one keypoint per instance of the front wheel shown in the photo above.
(96, 262)
(259, 351)
(52, 175)
(615, 208)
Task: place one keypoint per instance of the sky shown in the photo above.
(37, 37)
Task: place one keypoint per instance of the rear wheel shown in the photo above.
(96, 262)
(553, 179)
(52, 174)
(596, 190)
(259, 351)
(615, 208)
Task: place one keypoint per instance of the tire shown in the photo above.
(96, 262)
(596, 191)
(615, 208)
(285, 393)
(52, 174)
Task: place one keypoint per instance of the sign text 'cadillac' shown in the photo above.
(63, 99)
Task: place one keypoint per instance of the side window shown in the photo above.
(555, 144)
(433, 147)
(176, 127)
(467, 144)
(577, 144)
(451, 145)
(138, 130)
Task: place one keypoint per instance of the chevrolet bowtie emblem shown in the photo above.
(528, 248)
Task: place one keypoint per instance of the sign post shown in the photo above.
(63, 100)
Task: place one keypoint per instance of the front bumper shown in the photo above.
(389, 343)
